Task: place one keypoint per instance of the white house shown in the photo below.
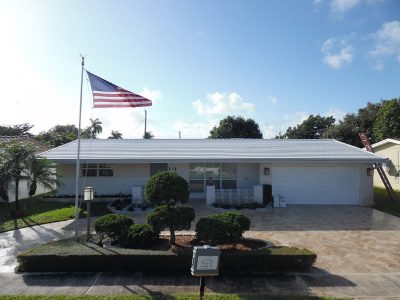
(300, 171)
(389, 148)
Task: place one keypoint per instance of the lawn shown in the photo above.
(170, 297)
(40, 212)
(383, 202)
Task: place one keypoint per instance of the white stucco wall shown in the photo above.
(392, 152)
(24, 190)
(125, 176)
(247, 175)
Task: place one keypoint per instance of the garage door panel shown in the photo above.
(316, 185)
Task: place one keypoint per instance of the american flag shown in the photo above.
(107, 94)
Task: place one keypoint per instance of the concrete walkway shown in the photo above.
(358, 256)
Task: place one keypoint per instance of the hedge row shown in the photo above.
(80, 257)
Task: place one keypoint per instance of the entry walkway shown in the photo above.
(357, 247)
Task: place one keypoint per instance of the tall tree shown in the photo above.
(115, 135)
(16, 130)
(347, 129)
(236, 127)
(58, 135)
(387, 123)
(312, 128)
(93, 129)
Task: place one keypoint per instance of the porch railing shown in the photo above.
(233, 196)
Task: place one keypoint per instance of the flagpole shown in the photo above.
(77, 157)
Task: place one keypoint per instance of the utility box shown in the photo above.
(205, 261)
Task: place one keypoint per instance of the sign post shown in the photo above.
(205, 262)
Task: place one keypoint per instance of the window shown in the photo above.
(97, 170)
(220, 175)
(196, 178)
(157, 167)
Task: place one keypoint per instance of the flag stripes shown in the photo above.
(107, 94)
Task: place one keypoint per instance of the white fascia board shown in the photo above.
(386, 141)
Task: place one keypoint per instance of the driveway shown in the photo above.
(358, 248)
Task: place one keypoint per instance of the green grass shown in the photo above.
(169, 297)
(40, 212)
(383, 202)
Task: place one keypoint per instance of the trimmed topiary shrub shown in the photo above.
(112, 226)
(172, 217)
(166, 188)
(222, 228)
(234, 217)
(138, 236)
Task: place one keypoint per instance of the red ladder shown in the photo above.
(378, 167)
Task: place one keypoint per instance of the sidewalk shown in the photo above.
(359, 286)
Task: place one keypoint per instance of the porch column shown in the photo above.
(137, 197)
(258, 193)
(210, 194)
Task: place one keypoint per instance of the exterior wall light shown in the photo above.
(267, 171)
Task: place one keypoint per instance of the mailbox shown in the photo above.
(205, 261)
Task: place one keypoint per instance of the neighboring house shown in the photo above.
(300, 171)
(389, 148)
(23, 184)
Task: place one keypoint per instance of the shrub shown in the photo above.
(78, 257)
(166, 188)
(138, 236)
(172, 217)
(233, 217)
(222, 228)
(113, 226)
(210, 230)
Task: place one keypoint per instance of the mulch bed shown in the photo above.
(187, 242)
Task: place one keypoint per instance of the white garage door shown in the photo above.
(317, 185)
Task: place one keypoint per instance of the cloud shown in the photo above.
(222, 103)
(337, 53)
(338, 8)
(289, 120)
(387, 43)
(153, 95)
(337, 113)
(343, 6)
(272, 99)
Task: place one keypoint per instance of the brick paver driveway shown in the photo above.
(358, 248)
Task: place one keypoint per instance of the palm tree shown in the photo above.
(116, 135)
(14, 156)
(5, 178)
(41, 171)
(94, 129)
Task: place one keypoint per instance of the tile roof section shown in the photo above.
(24, 139)
(208, 150)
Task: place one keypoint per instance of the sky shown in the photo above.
(276, 62)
